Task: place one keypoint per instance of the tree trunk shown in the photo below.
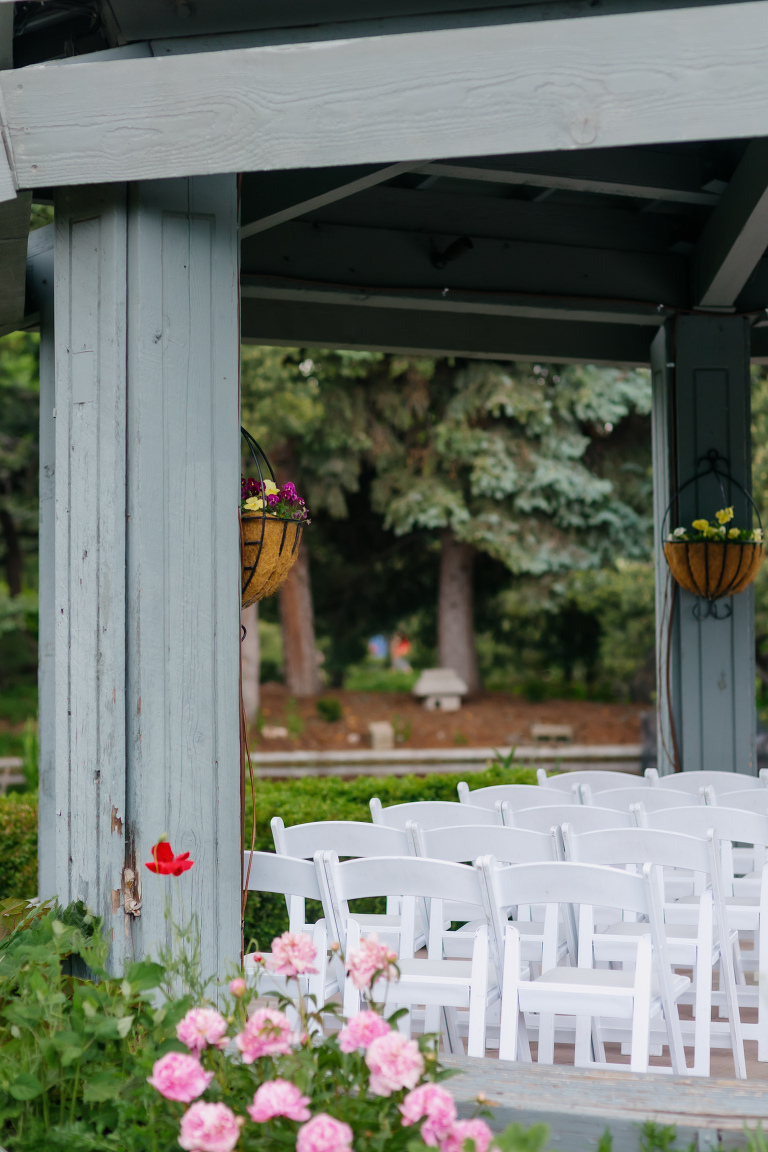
(297, 619)
(251, 659)
(13, 556)
(455, 624)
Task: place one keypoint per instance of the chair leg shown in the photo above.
(546, 1038)
(703, 1006)
(582, 1056)
(452, 1027)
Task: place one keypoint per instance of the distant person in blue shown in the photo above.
(378, 647)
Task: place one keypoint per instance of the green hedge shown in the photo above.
(18, 845)
(297, 801)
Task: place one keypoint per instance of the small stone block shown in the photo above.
(382, 735)
(274, 732)
(556, 732)
(440, 684)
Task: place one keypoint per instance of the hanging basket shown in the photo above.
(712, 568)
(269, 544)
(269, 547)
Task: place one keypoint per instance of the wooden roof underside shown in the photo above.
(359, 228)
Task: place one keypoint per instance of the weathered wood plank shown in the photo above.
(580, 1104)
(183, 553)
(89, 553)
(642, 77)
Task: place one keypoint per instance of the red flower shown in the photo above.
(165, 863)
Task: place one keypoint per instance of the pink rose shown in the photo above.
(324, 1134)
(267, 1033)
(292, 955)
(394, 1062)
(435, 1106)
(371, 959)
(178, 1076)
(238, 987)
(278, 1098)
(476, 1130)
(210, 1128)
(362, 1030)
(200, 1027)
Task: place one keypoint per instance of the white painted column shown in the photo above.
(146, 554)
(705, 667)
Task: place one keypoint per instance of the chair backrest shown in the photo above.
(511, 845)
(566, 883)
(407, 877)
(283, 875)
(516, 795)
(615, 847)
(729, 823)
(748, 800)
(722, 781)
(344, 837)
(598, 780)
(583, 819)
(654, 799)
(432, 814)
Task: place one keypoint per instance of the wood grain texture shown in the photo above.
(717, 662)
(183, 552)
(578, 1104)
(643, 77)
(89, 553)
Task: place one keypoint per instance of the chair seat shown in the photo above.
(613, 981)
(681, 941)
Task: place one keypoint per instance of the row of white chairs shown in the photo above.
(430, 920)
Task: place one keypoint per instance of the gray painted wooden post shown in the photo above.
(147, 555)
(706, 667)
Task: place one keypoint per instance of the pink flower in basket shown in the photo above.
(370, 959)
(178, 1076)
(362, 1030)
(267, 1033)
(210, 1128)
(201, 1027)
(324, 1134)
(394, 1062)
(278, 1098)
(292, 955)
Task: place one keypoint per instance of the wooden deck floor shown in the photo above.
(579, 1104)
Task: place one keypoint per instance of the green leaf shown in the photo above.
(144, 975)
(124, 1026)
(103, 1086)
(25, 1087)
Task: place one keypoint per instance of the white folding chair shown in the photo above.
(437, 984)
(747, 862)
(288, 877)
(432, 814)
(746, 912)
(510, 845)
(598, 780)
(515, 795)
(585, 992)
(654, 799)
(345, 838)
(690, 945)
(691, 782)
(584, 819)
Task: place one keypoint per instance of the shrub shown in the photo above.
(329, 709)
(18, 837)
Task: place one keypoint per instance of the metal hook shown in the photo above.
(716, 609)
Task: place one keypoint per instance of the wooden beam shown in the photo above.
(640, 77)
(333, 193)
(291, 324)
(572, 183)
(370, 258)
(736, 234)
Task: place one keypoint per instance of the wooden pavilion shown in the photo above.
(564, 180)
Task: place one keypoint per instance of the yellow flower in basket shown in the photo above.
(701, 525)
(724, 515)
(254, 504)
(733, 533)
